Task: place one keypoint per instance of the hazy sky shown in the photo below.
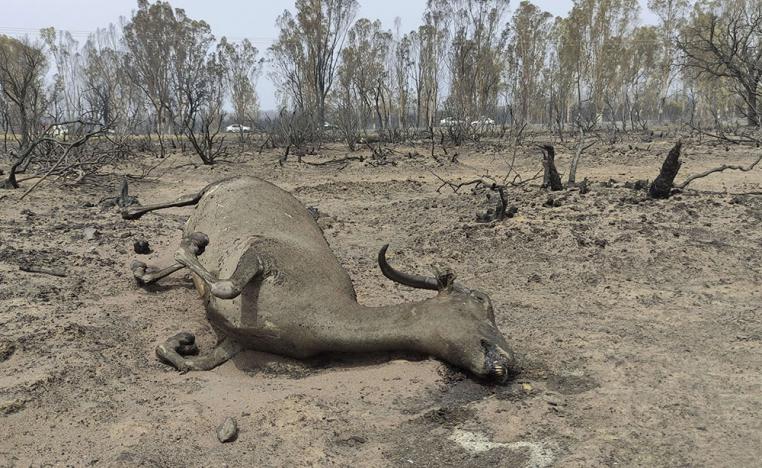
(236, 19)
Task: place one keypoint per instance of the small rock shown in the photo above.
(354, 440)
(125, 235)
(141, 247)
(484, 216)
(639, 184)
(227, 431)
(584, 186)
(6, 351)
(11, 406)
(91, 233)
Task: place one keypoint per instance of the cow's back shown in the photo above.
(245, 210)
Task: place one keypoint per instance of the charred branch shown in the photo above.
(721, 168)
(42, 271)
(500, 212)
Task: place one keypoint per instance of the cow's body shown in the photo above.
(299, 301)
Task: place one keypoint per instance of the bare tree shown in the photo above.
(293, 130)
(531, 27)
(362, 72)
(307, 52)
(52, 156)
(475, 60)
(582, 146)
(428, 51)
(726, 42)
(671, 15)
(203, 97)
(148, 38)
(22, 68)
(401, 67)
(108, 91)
(66, 97)
(242, 67)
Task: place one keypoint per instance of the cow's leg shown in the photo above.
(145, 274)
(180, 352)
(185, 200)
(249, 266)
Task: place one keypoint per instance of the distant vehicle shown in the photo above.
(329, 126)
(237, 128)
(451, 122)
(483, 122)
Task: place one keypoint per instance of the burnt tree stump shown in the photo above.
(664, 182)
(550, 178)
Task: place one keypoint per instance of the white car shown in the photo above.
(237, 128)
(451, 122)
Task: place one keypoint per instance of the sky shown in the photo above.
(235, 19)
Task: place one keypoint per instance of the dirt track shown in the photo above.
(639, 323)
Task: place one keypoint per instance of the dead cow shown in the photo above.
(271, 283)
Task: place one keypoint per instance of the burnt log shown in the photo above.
(550, 178)
(664, 182)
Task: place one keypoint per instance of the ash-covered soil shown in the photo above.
(638, 322)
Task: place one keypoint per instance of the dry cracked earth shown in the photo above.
(638, 322)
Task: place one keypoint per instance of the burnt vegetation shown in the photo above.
(599, 172)
(472, 74)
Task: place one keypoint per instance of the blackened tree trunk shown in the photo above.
(662, 185)
(752, 113)
(550, 179)
(10, 182)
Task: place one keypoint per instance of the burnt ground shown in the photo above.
(639, 322)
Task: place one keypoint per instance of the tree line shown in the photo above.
(160, 72)
(469, 62)
(471, 59)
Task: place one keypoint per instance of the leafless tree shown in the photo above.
(478, 44)
(726, 42)
(108, 92)
(531, 27)
(22, 69)
(581, 147)
(204, 92)
(148, 38)
(49, 155)
(242, 68)
(308, 49)
(428, 51)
